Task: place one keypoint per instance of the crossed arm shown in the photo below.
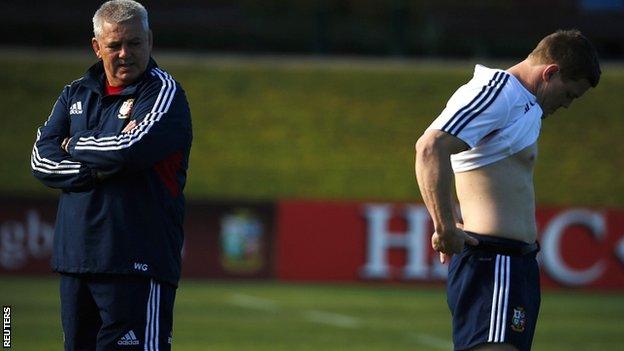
(53, 166)
(130, 127)
(75, 162)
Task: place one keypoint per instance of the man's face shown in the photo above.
(125, 49)
(557, 92)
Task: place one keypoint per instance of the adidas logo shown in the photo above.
(76, 108)
(128, 339)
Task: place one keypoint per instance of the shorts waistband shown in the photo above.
(503, 246)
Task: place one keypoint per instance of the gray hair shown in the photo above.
(117, 11)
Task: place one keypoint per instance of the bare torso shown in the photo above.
(499, 199)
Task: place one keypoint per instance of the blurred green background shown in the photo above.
(321, 128)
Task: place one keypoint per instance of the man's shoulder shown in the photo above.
(75, 87)
(158, 78)
(160, 89)
(489, 90)
(76, 82)
(160, 84)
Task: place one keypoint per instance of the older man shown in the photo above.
(117, 144)
(485, 141)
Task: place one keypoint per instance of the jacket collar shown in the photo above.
(94, 78)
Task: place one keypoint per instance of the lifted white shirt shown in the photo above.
(494, 114)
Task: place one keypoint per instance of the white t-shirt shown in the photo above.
(494, 114)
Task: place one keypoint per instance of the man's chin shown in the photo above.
(127, 78)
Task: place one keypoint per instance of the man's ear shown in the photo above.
(96, 48)
(549, 72)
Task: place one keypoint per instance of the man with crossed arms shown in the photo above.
(117, 145)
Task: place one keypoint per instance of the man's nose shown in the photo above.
(123, 52)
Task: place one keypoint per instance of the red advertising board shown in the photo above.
(333, 241)
(228, 240)
(26, 235)
(354, 241)
(222, 239)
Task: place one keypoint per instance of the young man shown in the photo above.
(117, 144)
(485, 140)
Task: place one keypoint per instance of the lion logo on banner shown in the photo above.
(241, 242)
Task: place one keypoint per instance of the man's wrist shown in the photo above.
(445, 229)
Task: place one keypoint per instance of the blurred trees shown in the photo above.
(440, 28)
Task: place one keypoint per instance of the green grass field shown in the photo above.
(223, 316)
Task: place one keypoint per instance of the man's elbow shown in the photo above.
(438, 143)
(37, 174)
(426, 146)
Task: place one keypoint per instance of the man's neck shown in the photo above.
(111, 90)
(528, 74)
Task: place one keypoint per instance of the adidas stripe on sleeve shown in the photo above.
(476, 109)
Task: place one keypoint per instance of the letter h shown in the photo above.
(380, 240)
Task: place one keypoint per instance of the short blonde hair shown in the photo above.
(117, 11)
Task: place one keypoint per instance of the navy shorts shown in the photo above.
(493, 292)
(116, 312)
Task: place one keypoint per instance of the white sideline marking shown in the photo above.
(431, 341)
(334, 319)
(252, 302)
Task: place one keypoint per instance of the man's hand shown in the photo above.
(65, 144)
(129, 127)
(451, 242)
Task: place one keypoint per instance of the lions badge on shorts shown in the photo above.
(518, 320)
(125, 109)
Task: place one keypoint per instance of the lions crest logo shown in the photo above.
(518, 320)
(242, 243)
(125, 109)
